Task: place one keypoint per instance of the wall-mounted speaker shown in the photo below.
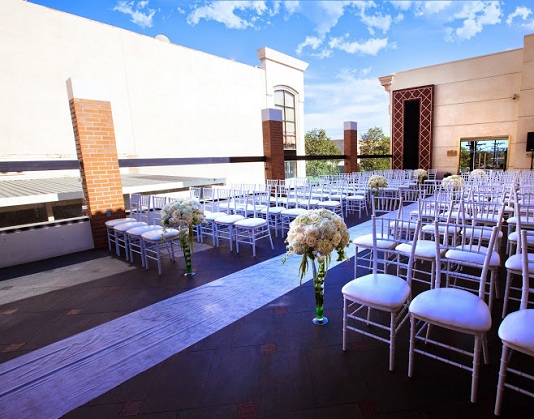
(530, 141)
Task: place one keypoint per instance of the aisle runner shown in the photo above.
(58, 378)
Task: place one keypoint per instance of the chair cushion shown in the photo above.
(516, 331)
(293, 212)
(329, 204)
(116, 221)
(383, 291)
(273, 210)
(229, 219)
(515, 263)
(211, 216)
(452, 308)
(513, 236)
(123, 227)
(425, 249)
(457, 254)
(137, 231)
(163, 234)
(251, 222)
(383, 241)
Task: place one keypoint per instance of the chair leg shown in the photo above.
(345, 308)
(392, 336)
(412, 346)
(476, 367)
(506, 294)
(502, 379)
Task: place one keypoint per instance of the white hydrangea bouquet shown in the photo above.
(315, 234)
(183, 214)
(477, 174)
(420, 175)
(453, 183)
(376, 182)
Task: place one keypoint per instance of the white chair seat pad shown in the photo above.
(516, 330)
(123, 227)
(383, 241)
(513, 236)
(356, 198)
(454, 307)
(525, 221)
(229, 219)
(514, 263)
(163, 234)
(293, 212)
(211, 216)
(251, 222)
(425, 249)
(429, 228)
(273, 210)
(137, 231)
(384, 291)
(330, 204)
(117, 221)
(460, 255)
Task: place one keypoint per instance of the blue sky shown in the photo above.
(348, 44)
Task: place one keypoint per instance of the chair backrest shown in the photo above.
(387, 200)
(474, 255)
(391, 232)
(525, 289)
(158, 201)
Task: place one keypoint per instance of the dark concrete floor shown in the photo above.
(272, 363)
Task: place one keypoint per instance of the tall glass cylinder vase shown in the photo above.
(318, 287)
(186, 243)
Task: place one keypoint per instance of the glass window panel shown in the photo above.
(279, 97)
(290, 128)
(289, 99)
(290, 114)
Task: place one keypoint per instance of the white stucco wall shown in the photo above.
(474, 98)
(167, 100)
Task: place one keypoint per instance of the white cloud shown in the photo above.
(523, 13)
(402, 5)
(369, 47)
(377, 21)
(225, 12)
(138, 16)
(475, 15)
(431, 7)
(310, 41)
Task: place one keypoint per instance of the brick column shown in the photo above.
(350, 146)
(97, 152)
(273, 143)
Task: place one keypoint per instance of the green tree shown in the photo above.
(317, 143)
(374, 142)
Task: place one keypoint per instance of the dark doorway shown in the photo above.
(412, 108)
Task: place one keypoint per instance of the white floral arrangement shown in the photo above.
(315, 234)
(376, 182)
(453, 183)
(420, 174)
(477, 174)
(184, 212)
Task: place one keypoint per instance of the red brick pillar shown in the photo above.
(97, 152)
(273, 143)
(350, 146)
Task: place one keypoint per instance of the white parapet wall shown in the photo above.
(44, 242)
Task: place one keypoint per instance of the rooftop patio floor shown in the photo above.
(90, 335)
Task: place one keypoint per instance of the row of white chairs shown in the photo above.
(141, 233)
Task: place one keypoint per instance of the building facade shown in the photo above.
(463, 115)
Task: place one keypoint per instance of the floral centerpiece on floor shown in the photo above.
(477, 174)
(374, 183)
(453, 183)
(315, 234)
(183, 214)
(420, 175)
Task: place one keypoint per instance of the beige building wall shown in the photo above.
(485, 96)
(167, 100)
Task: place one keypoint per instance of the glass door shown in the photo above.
(483, 153)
